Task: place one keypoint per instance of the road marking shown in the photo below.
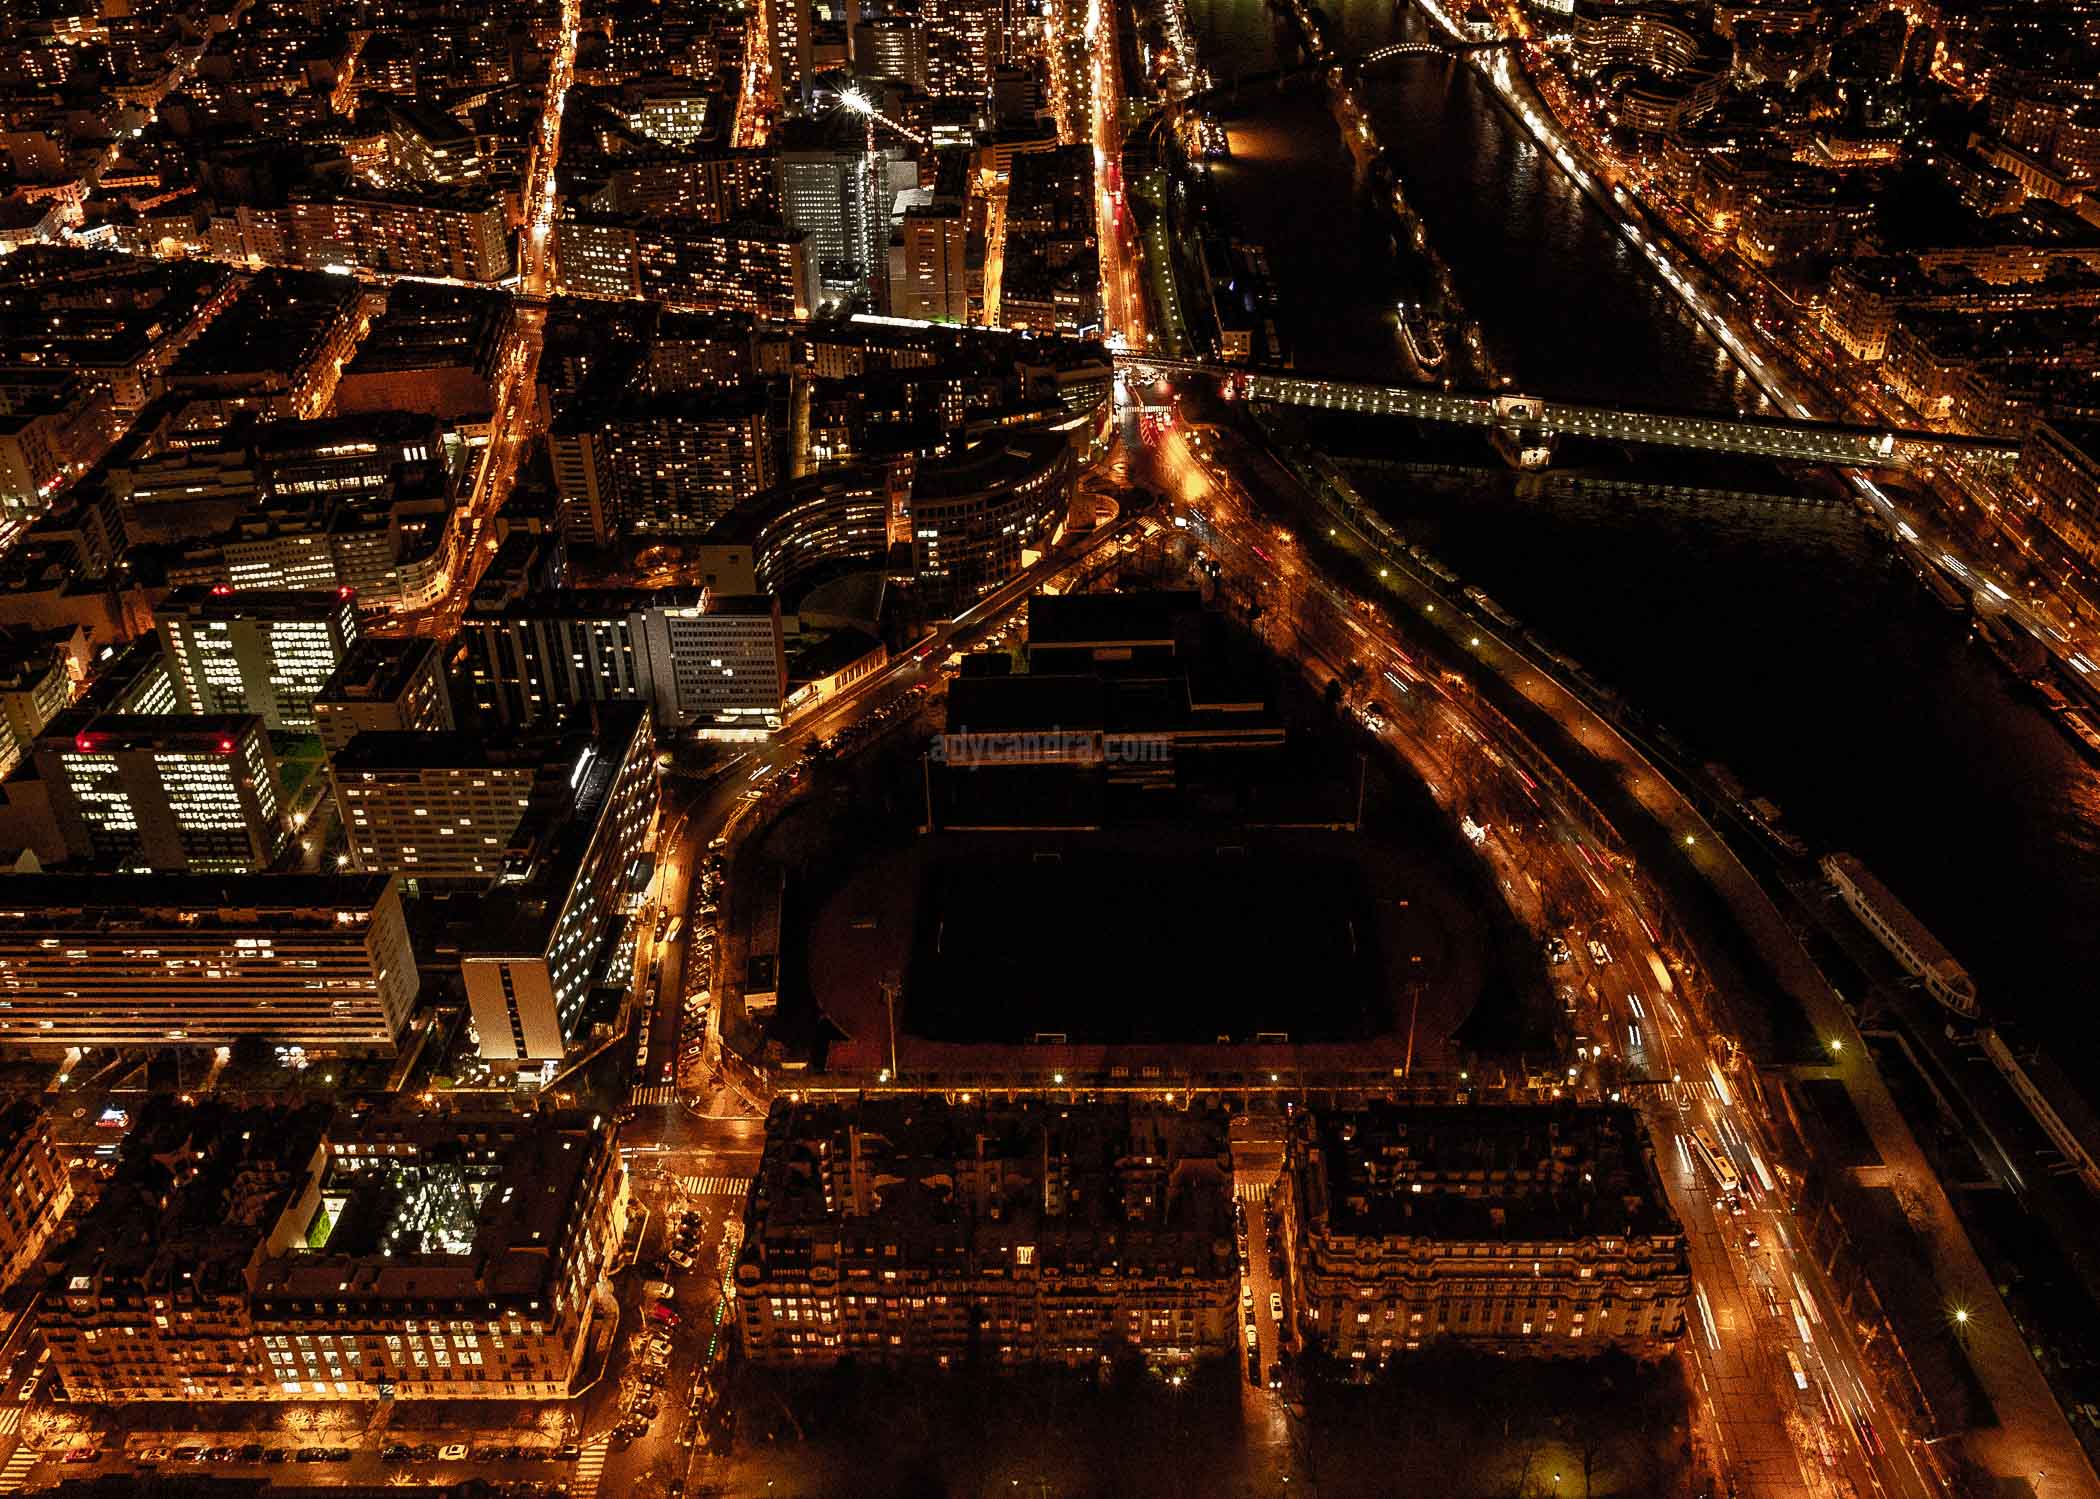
(650, 1097)
(10, 1419)
(590, 1463)
(1251, 1191)
(16, 1473)
(715, 1186)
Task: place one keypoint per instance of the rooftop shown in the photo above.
(1112, 619)
(1488, 1172)
(1075, 1183)
(416, 1206)
(378, 669)
(91, 902)
(280, 320)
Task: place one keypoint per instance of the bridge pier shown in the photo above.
(1520, 433)
(1527, 449)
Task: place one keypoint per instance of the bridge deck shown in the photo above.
(1769, 436)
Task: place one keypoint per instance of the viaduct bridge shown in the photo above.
(1525, 427)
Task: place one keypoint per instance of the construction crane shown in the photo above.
(856, 102)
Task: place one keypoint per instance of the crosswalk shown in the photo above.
(643, 1098)
(16, 1473)
(590, 1463)
(10, 1419)
(1251, 1191)
(714, 1186)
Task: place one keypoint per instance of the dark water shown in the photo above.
(1772, 638)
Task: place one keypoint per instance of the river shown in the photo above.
(1771, 637)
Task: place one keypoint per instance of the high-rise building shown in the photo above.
(788, 48)
(534, 946)
(962, 46)
(675, 463)
(720, 186)
(697, 658)
(910, 1230)
(717, 351)
(319, 961)
(427, 145)
(35, 1187)
(1531, 1230)
(384, 685)
(434, 806)
(837, 191)
(137, 678)
(757, 268)
(975, 515)
(929, 272)
(460, 234)
(307, 1256)
(183, 794)
(38, 670)
(892, 47)
(268, 653)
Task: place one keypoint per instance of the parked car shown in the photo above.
(453, 1452)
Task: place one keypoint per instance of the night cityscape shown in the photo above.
(1050, 749)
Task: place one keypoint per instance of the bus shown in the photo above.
(1717, 1162)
